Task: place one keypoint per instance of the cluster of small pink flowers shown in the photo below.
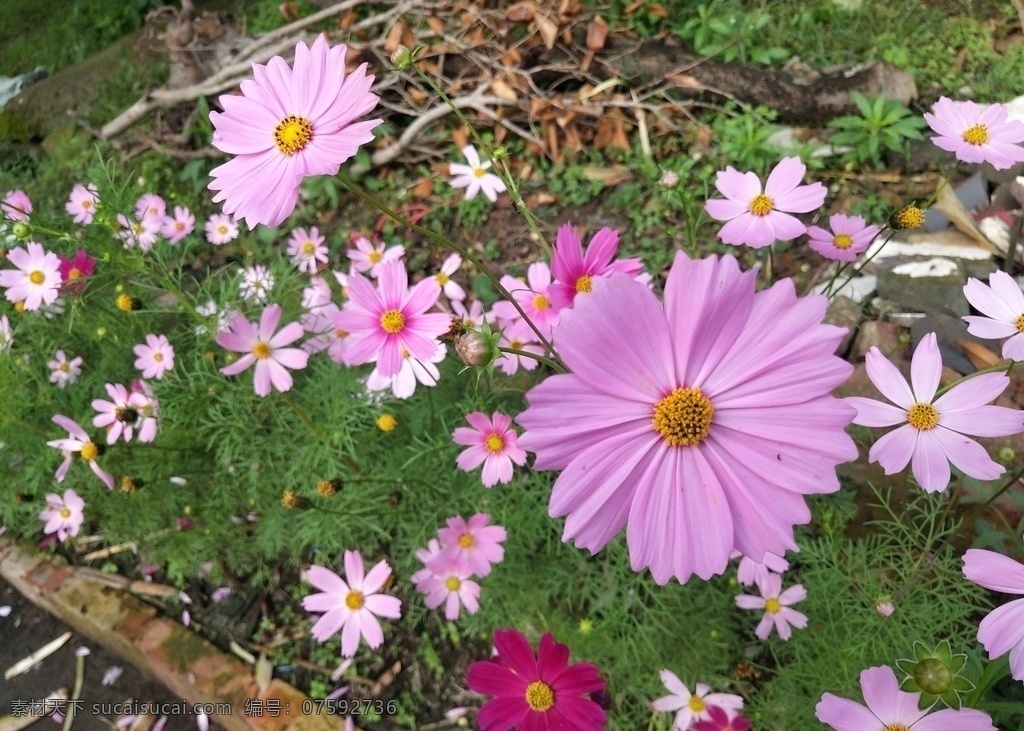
(698, 707)
(463, 550)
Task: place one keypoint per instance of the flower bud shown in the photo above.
(933, 676)
(21, 229)
(402, 58)
(670, 179)
(473, 349)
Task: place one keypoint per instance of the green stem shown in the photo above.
(554, 365)
(991, 369)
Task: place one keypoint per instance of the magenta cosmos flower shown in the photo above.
(692, 707)
(535, 692)
(1002, 303)
(36, 281)
(77, 442)
(575, 271)
(63, 515)
(1002, 630)
(977, 133)
(289, 123)
(720, 721)
(849, 238)
(472, 544)
(492, 443)
(352, 606)
(82, 203)
(699, 426)
(931, 433)
(74, 271)
(777, 606)
(390, 320)
(757, 218)
(264, 345)
(888, 707)
(155, 356)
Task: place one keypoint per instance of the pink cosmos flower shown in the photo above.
(535, 692)
(474, 176)
(142, 232)
(575, 271)
(156, 356)
(149, 412)
(452, 289)
(751, 572)
(699, 426)
(64, 371)
(932, 429)
(720, 721)
(307, 250)
(265, 346)
(451, 585)
(221, 229)
(390, 320)
(977, 133)
(16, 206)
(74, 271)
(492, 443)
(64, 514)
(412, 371)
(82, 203)
(289, 123)
(849, 238)
(1002, 630)
(1002, 303)
(77, 442)
(758, 219)
(425, 556)
(120, 414)
(6, 334)
(181, 224)
(36, 281)
(369, 257)
(150, 205)
(776, 604)
(517, 337)
(885, 608)
(534, 298)
(473, 317)
(472, 544)
(692, 707)
(888, 707)
(351, 607)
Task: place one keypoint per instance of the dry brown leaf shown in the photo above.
(394, 37)
(684, 80)
(418, 96)
(289, 11)
(611, 175)
(512, 58)
(597, 34)
(460, 137)
(476, 37)
(979, 355)
(611, 132)
(348, 19)
(409, 39)
(657, 10)
(548, 32)
(522, 12)
(551, 138)
(423, 189)
(504, 90)
(569, 8)
(540, 199)
(436, 24)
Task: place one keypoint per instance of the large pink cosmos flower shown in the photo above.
(77, 442)
(699, 426)
(63, 515)
(1002, 303)
(385, 322)
(888, 707)
(777, 606)
(351, 607)
(472, 544)
(265, 346)
(1002, 630)
(575, 271)
(758, 219)
(535, 693)
(289, 123)
(694, 706)
(931, 433)
(36, 281)
(492, 443)
(977, 133)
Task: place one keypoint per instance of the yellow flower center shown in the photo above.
(158, 357)
(89, 451)
(125, 303)
(683, 417)
(374, 257)
(772, 606)
(386, 422)
(222, 230)
(762, 205)
(843, 241)
(74, 273)
(87, 204)
(539, 696)
(466, 541)
(452, 583)
(37, 277)
(64, 368)
(1020, 324)
(583, 283)
(308, 248)
(976, 135)
(19, 306)
(354, 600)
(392, 321)
(261, 350)
(179, 226)
(540, 302)
(442, 279)
(910, 217)
(293, 134)
(494, 443)
(897, 727)
(923, 416)
(289, 499)
(515, 344)
(479, 172)
(65, 513)
(696, 704)
(339, 334)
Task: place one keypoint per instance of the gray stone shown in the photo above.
(11, 85)
(888, 337)
(949, 331)
(844, 312)
(930, 285)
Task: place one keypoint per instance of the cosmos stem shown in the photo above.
(553, 364)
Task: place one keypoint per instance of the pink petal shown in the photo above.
(846, 715)
(876, 413)
(926, 369)
(929, 463)
(888, 380)
(994, 571)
